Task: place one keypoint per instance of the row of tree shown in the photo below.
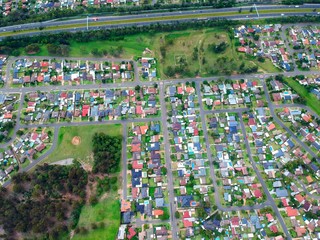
(57, 43)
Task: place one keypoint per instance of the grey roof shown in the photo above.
(159, 202)
(158, 192)
(281, 192)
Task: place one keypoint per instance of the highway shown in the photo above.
(107, 22)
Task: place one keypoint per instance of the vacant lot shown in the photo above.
(186, 49)
(107, 211)
(82, 151)
(194, 50)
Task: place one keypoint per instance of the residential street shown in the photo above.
(264, 186)
(278, 121)
(172, 201)
(162, 85)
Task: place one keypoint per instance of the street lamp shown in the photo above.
(256, 10)
(87, 22)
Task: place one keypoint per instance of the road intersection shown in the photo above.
(164, 117)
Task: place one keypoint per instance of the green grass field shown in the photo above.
(107, 211)
(83, 151)
(133, 46)
(311, 99)
(178, 44)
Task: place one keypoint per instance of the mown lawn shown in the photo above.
(106, 211)
(132, 46)
(83, 152)
(311, 99)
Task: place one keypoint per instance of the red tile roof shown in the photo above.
(187, 223)
(292, 212)
(131, 233)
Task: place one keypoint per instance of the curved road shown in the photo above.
(163, 118)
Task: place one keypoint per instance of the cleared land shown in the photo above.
(178, 46)
(192, 50)
(107, 211)
(83, 151)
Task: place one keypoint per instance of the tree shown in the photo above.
(107, 153)
(164, 216)
(256, 37)
(15, 52)
(32, 48)
(177, 215)
(170, 71)
(137, 88)
(218, 48)
(20, 133)
(95, 52)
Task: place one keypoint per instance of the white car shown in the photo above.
(296, 6)
(282, 14)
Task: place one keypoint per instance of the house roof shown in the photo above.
(187, 223)
(292, 212)
(274, 228)
(125, 205)
(144, 129)
(157, 212)
(131, 233)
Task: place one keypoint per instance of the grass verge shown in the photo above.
(311, 100)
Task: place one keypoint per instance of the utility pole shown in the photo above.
(87, 22)
(256, 10)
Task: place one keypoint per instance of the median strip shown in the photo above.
(151, 19)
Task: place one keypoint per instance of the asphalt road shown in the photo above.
(148, 16)
(172, 202)
(163, 119)
(211, 160)
(278, 121)
(46, 154)
(124, 160)
(264, 186)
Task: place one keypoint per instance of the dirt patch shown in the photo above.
(86, 167)
(76, 140)
(64, 162)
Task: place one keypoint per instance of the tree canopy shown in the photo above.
(42, 202)
(107, 153)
